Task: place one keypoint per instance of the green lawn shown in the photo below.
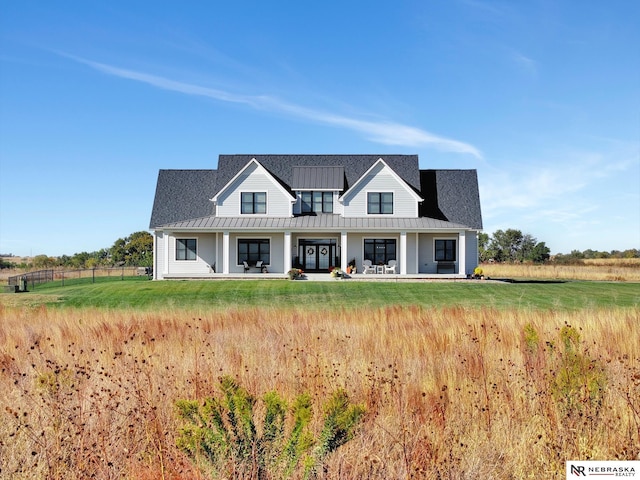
(146, 295)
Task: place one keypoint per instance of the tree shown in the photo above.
(512, 246)
(483, 246)
(79, 260)
(540, 253)
(134, 250)
(505, 245)
(43, 261)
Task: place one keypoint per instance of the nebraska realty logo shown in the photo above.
(579, 469)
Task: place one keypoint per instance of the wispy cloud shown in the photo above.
(527, 64)
(562, 188)
(388, 133)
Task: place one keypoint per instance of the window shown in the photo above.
(379, 250)
(253, 202)
(317, 202)
(186, 248)
(379, 203)
(251, 250)
(445, 250)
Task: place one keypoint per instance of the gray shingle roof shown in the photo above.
(182, 194)
(354, 166)
(451, 196)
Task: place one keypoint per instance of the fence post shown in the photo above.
(63, 278)
(93, 275)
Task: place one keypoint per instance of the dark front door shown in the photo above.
(317, 255)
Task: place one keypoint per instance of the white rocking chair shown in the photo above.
(367, 267)
(390, 267)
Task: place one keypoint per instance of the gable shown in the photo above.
(253, 178)
(381, 178)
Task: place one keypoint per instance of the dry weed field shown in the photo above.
(449, 393)
(613, 269)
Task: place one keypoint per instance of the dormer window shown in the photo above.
(380, 203)
(253, 203)
(317, 202)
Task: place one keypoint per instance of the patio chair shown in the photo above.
(261, 266)
(390, 267)
(367, 267)
(246, 266)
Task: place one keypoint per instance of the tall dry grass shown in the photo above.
(617, 270)
(450, 393)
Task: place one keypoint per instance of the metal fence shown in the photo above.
(30, 280)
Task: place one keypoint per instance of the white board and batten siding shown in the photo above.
(254, 179)
(168, 265)
(381, 180)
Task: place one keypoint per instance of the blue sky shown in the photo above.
(541, 97)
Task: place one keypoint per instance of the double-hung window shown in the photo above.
(186, 248)
(253, 202)
(380, 203)
(445, 251)
(251, 250)
(317, 202)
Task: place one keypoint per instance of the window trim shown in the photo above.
(380, 193)
(327, 201)
(454, 251)
(253, 203)
(186, 249)
(385, 239)
(249, 240)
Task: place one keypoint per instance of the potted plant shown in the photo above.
(351, 266)
(295, 273)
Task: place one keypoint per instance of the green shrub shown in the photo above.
(579, 381)
(222, 435)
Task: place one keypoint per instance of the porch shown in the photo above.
(322, 277)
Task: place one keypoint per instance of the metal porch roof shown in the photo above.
(311, 222)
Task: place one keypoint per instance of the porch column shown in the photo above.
(225, 252)
(403, 253)
(287, 251)
(462, 252)
(417, 253)
(215, 254)
(343, 251)
(165, 267)
(155, 255)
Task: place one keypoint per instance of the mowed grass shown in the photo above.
(335, 295)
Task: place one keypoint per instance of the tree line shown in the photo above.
(135, 250)
(513, 246)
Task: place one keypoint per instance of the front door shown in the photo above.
(317, 255)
